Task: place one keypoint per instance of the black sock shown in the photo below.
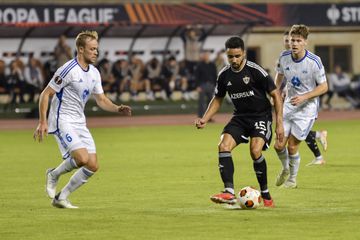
(226, 167)
(266, 195)
(261, 175)
(311, 142)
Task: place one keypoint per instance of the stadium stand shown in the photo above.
(149, 30)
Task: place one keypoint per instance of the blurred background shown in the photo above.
(157, 55)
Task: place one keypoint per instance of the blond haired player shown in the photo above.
(70, 89)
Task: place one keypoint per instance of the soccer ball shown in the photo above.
(249, 198)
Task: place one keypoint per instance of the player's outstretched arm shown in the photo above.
(42, 128)
(213, 107)
(106, 104)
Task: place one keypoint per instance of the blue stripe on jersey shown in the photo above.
(69, 65)
(317, 63)
(285, 53)
(57, 133)
(314, 58)
(59, 95)
(68, 69)
(313, 55)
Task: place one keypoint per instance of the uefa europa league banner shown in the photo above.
(271, 14)
(59, 14)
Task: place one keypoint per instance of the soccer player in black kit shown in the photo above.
(247, 85)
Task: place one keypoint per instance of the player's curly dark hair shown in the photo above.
(234, 42)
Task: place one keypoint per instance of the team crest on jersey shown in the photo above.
(58, 80)
(246, 79)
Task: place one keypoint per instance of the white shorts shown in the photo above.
(72, 136)
(297, 127)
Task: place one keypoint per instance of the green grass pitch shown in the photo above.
(155, 183)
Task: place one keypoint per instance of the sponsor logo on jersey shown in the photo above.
(242, 94)
(229, 84)
(295, 81)
(58, 80)
(85, 94)
(246, 79)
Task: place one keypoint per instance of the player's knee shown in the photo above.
(82, 159)
(93, 166)
(255, 152)
(223, 147)
(279, 147)
(292, 149)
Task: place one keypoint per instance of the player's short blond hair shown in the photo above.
(81, 38)
(300, 29)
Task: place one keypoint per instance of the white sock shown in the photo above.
(317, 134)
(80, 177)
(294, 165)
(284, 158)
(66, 166)
(230, 190)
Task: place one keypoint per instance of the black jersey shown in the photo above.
(247, 89)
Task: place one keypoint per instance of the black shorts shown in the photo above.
(241, 128)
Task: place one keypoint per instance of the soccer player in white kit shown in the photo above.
(306, 81)
(313, 135)
(71, 87)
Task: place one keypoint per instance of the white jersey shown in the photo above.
(301, 76)
(73, 86)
